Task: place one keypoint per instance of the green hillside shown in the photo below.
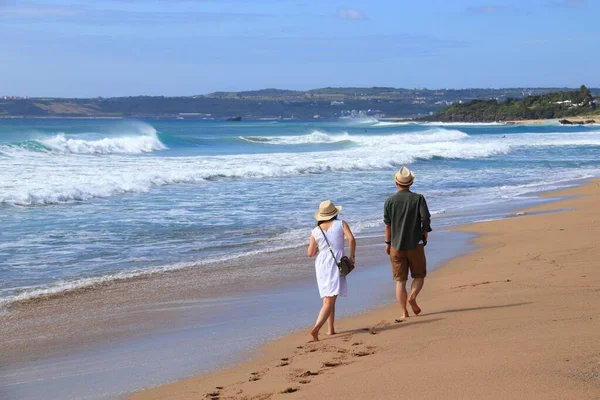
(552, 105)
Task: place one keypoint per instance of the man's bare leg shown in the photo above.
(401, 297)
(415, 288)
(331, 319)
(328, 303)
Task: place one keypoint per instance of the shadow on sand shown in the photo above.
(457, 310)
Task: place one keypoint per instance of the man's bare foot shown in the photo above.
(413, 304)
(315, 335)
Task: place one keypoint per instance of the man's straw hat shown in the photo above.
(327, 210)
(404, 177)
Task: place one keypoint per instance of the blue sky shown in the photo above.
(185, 47)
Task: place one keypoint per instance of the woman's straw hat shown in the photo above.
(404, 177)
(327, 210)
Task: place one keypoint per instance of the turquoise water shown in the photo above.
(86, 201)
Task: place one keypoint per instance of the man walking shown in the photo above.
(407, 223)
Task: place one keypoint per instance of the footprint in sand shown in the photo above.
(308, 373)
(256, 376)
(331, 364)
(289, 390)
(362, 353)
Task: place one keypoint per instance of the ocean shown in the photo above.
(89, 201)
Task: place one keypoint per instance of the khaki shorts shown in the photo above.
(403, 260)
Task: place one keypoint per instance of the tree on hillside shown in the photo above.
(585, 91)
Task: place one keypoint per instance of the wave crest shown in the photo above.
(119, 145)
(131, 138)
(319, 137)
(66, 180)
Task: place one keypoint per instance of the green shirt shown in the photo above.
(408, 216)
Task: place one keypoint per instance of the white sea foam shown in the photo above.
(314, 137)
(555, 139)
(389, 123)
(114, 145)
(461, 123)
(361, 120)
(31, 178)
(41, 179)
(65, 286)
(285, 240)
(317, 137)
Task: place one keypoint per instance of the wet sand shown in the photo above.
(517, 318)
(100, 342)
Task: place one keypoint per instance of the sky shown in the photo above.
(92, 48)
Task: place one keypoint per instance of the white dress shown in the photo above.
(328, 277)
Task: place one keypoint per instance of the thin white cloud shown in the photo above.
(568, 3)
(487, 10)
(351, 14)
(35, 11)
(80, 14)
(574, 3)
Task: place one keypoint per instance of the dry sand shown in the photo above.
(518, 318)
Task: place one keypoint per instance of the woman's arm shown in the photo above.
(351, 240)
(312, 247)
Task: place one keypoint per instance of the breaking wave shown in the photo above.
(37, 180)
(138, 138)
(319, 137)
(119, 145)
(63, 179)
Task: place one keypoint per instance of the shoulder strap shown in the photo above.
(328, 245)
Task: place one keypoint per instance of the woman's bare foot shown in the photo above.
(404, 314)
(413, 304)
(315, 334)
(331, 333)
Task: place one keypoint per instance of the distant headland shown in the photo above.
(274, 104)
(568, 107)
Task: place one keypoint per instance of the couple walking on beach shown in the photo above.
(407, 224)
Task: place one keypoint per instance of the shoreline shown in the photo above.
(480, 298)
(131, 325)
(579, 120)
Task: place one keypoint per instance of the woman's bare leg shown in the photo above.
(331, 319)
(328, 303)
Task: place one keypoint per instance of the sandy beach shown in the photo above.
(517, 318)
(583, 119)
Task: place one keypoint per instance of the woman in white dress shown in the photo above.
(331, 284)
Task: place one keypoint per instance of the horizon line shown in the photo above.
(23, 97)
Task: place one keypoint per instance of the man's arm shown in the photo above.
(388, 228)
(388, 238)
(425, 218)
